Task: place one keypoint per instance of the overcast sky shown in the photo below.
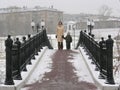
(68, 6)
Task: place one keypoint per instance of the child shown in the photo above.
(68, 39)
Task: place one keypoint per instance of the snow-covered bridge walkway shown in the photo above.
(60, 70)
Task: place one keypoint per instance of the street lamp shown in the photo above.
(73, 27)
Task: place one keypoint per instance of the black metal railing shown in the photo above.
(101, 57)
(18, 57)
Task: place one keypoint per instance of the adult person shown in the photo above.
(60, 34)
(42, 24)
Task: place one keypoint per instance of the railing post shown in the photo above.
(46, 41)
(109, 46)
(84, 39)
(33, 47)
(17, 51)
(80, 40)
(41, 40)
(24, 56)
(39, 44)
(102, 58)
(16, 62)
(29, 49)
(8, 78)
(36, 41)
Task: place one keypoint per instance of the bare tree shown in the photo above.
(105, 11)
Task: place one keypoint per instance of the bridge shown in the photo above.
(36, 65)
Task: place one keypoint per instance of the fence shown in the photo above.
(18, 57)
(101, 57)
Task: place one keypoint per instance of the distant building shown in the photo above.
(17, 22)
(100, 24)
(70, 25)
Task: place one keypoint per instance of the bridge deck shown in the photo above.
(61, 70)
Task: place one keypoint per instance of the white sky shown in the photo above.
(68, 6)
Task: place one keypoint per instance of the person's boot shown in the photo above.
(59, 46)
(62, 45)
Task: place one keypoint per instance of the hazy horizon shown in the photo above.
(70, 7)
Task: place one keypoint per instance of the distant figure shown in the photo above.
(33, 25)
(42, 24)
(68, 39)
(60, 34)
(88, 25)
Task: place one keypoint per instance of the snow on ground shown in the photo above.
(80, 68)
(2, 60)
(116, 71)
(98, 33)
(43, 67)
(2, 71)
(105, 32)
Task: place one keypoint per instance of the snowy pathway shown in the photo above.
(61, 70)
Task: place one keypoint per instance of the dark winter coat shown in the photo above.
(68, 39)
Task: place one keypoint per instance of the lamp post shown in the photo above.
(33, 26)
(73, 27)
(74, 36)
